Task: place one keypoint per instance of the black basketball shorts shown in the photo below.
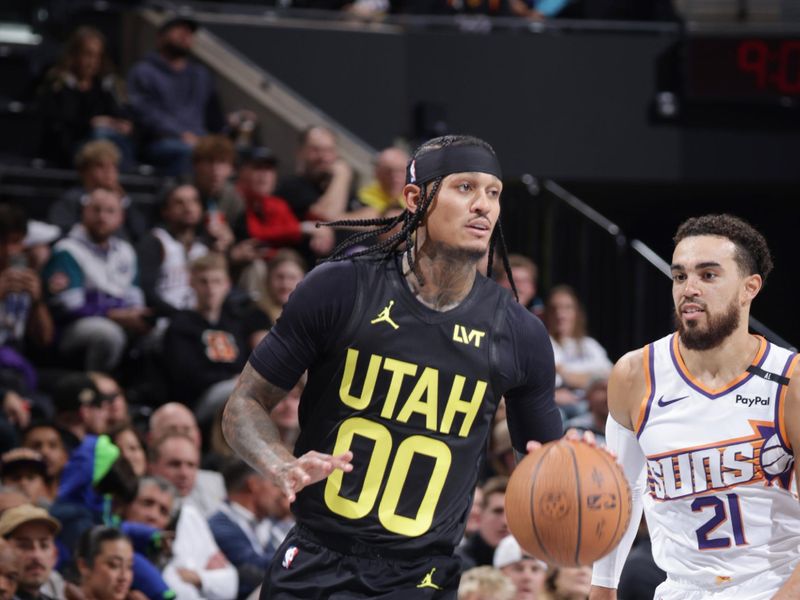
(305, 569)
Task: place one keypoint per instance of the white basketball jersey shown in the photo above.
(173, 276)
(719, 501)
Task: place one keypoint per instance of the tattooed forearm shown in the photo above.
(247, 426)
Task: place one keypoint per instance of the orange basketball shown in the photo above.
(568, 503)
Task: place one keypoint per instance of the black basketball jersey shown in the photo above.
(412, 392)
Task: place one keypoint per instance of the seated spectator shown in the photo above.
(98, 167)
(525, 572)
(96, 485)
(213, 161)
(164, 254)
(525, 274)
(96, 482)
(321, 189)
(595, 419)
(578, 357)
(284, 271)
(126, 438)
(83, 99)
(47, 439)
(485, 583)
(114, 395)
(246, 527)
(105, 563)
(267, 218)
(37, 243)
(173, 98)
(569, 583)
(479, 549)
(90, 283)
(25, 320)
(155, 503)
(31, 532)
(80, 408)
(206, 348)
(174, 418)
(386, 191)
(198, 568)
(10, 570)
(25, 469)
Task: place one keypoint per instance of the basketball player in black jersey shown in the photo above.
(409, 349)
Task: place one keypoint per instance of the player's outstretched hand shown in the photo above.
(309, 469)
(571, 434)
(575, 436)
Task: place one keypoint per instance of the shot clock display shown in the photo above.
(744, 69)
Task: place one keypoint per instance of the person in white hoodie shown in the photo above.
(91, 286)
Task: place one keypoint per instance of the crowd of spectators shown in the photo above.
(102, 496)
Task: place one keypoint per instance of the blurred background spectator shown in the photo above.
(98, 164)
(91, 287)
(569, 583)
(10, 569)
(485, 583)
(206, 347)
(105, 564)
(578, 357)
(173, 98)
(525, 572)
(83, 99)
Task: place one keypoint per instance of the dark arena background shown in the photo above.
(613, 120)
(645, 122)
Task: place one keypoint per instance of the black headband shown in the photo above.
(452, 159)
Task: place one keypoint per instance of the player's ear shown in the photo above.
(412, 196)
(752, 285)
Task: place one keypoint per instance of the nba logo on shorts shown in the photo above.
(291, 552)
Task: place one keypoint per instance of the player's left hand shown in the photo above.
(572, 435)
(310, 468)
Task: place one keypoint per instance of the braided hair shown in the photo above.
(411, 220)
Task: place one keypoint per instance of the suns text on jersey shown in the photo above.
(721, 465)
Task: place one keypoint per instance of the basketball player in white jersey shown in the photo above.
(703, 422)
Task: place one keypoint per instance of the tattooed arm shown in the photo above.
(251, 432)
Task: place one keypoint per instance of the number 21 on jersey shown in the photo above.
(724, 510)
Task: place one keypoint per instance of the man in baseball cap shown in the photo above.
(526, 572)
(31, 532)
(25, 469)
(80, 407)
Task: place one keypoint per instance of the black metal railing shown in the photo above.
(623, 283)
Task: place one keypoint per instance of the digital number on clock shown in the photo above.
(759, 69)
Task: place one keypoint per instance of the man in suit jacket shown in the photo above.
(251, 524)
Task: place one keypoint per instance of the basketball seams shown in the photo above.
(550, 525)
(579, 498)
(532, 496)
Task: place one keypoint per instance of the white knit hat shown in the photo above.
(508, 552)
